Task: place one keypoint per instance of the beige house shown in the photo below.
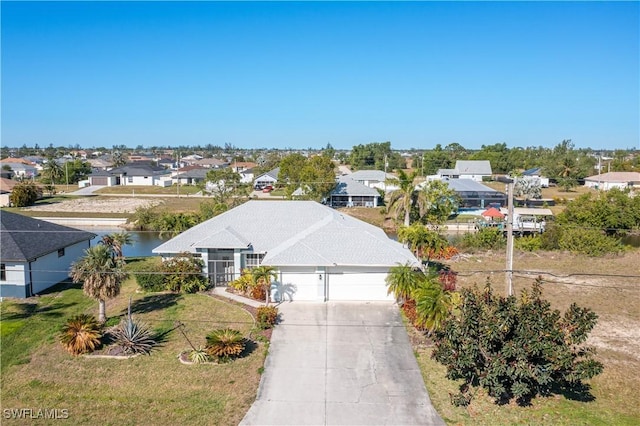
(606, 181)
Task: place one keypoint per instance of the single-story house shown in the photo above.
(6, 186)
(211, 163)
(132, 174)
(319, 253)
(36, 254)
(351, 193)
(536, 173)
(20, 169)
(473, 195)
(269, 178)
(467, 169)
(191, 175)
(246, 175)
(606, 181)
(371, 178)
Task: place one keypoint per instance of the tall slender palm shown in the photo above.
(265, 274)
(101, 275)
(403, 280)
(402, 199)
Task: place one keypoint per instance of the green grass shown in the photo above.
(157, 389)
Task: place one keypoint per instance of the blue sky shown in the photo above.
(301, 75)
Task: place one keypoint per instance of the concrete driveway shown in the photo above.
(341, 364)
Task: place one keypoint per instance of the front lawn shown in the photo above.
(38, 373)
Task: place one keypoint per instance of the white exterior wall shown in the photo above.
(358, 283)
(477, 178)
(299, 283)
(336, 284)
(605, 185)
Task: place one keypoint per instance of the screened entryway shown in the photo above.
(220, 267)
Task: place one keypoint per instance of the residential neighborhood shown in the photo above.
(320, 213)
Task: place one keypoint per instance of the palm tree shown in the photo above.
(101, 275)
(433, 303)
(402, 199)
(403, 280)
(53, 170)
(265, 274)
(121, 239)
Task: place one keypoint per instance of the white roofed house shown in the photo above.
(269, 178)
(606, 181)
(319, 253)
(467, 169)
(351, 193)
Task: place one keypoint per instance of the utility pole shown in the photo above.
(509, 267)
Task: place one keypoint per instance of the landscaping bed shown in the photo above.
(37, 372)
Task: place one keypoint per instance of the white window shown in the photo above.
(252, 260)
(130, 179)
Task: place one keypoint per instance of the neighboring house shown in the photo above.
(100, 163)
(240, 166)
(191, 175)
(351, 193)
(269, 178)
(211, 163)
(467, 169)
(371, 178)
(319, 253)
(21, 169)
(535, 173)
(132, 174)
(246, 175)
(6, 186)
(610, 180)
(36, 254)
(473, 195)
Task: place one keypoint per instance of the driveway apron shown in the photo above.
(341, 364)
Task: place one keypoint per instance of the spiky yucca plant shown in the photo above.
(133, 337)
(225, 343)
(199, 355)
(81, 334)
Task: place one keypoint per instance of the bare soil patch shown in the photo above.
(98, 205)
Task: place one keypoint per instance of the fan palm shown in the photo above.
(120, 239)
(101, 275)
(265, 274)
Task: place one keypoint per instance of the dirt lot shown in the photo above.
(609, 285)
(98, 205)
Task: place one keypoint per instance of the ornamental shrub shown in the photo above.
(267, 316)
(516, 347)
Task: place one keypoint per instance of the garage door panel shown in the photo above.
(297, 286)
(358, 285)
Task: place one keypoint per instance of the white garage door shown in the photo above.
(357, 284)
(299, 284)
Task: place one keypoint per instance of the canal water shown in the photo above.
(142, 241)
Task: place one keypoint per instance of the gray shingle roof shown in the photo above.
(24, 238)
(474, 167)
(348, 186)
(369, 175)
(294, 233)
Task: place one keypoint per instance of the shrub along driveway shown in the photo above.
(341, 363)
